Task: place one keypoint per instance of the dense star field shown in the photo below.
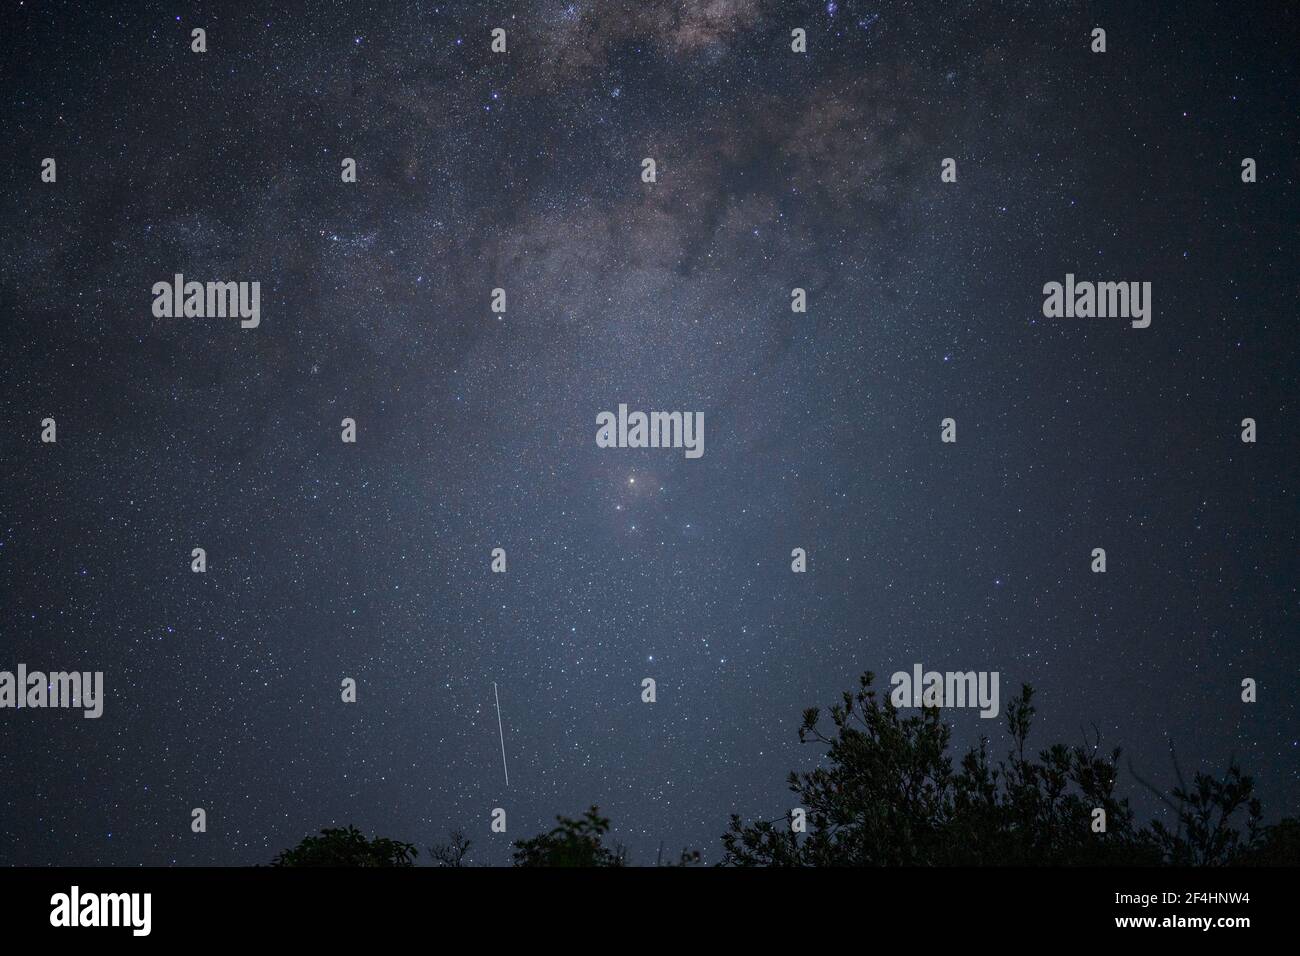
(476, 429)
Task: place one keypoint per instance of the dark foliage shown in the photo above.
(347, 847)
(888, 795)
(572, 843)
(453, 852)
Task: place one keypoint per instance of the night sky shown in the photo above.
(476, 430)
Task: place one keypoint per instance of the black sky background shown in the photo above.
(476, 431)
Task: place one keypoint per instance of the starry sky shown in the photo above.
(476, 430)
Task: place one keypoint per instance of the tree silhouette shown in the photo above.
(889, 795)
(1203, 836)
(453, 852)
(346, 846)
(573, 843)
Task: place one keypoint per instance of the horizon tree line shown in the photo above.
(888, 793)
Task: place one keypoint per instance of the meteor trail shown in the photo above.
(501, 732)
